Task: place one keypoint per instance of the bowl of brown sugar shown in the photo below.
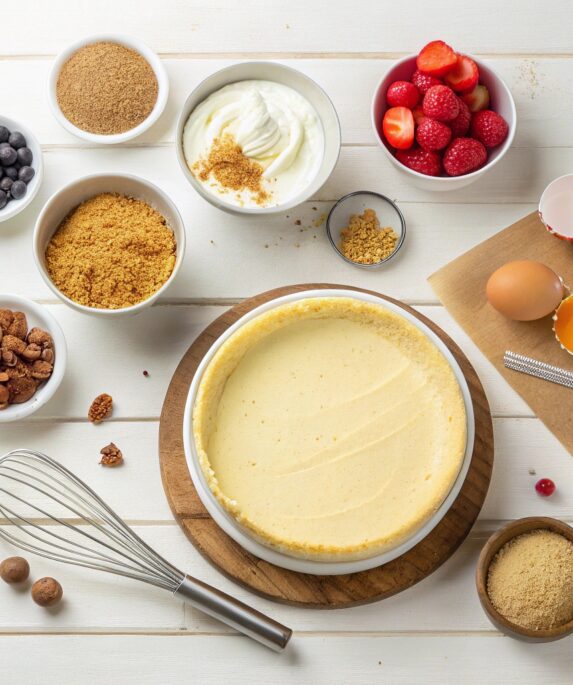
(109, 244)
(524, 579)
(107, 89)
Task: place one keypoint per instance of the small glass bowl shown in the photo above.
(355, 203)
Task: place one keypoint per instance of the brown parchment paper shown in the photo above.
(460, 285)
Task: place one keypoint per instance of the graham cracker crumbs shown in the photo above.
(364, 242)
(232, 170)
(111, 252)
(298, 222)
(101, 408)
(530, 580)
(317, 223)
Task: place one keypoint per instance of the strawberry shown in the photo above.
(398, 127)
(477, 99)
(422, 161)
(441, 103)
(463, 156)
(424, 82)
(418, 114)
(433, 135)
(464, 76)
(436, 58)
(461, 124)
(402, 94)
(489, 127)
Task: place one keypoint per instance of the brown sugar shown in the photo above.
(227, 164)
(530, 580)
(364, 242)
(111, 252)
(106, 88)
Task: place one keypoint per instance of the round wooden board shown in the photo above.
(301, 589)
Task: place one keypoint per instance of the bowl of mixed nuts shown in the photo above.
(32, 357)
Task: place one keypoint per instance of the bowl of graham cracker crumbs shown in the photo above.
(366, 229)
(109, 244)
(524, 579)
(107, 89)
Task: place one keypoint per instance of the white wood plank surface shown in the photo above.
(115, 630)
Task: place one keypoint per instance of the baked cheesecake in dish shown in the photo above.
(330, 428)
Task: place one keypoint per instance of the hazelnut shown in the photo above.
(41, 370)
(19, 326)
(14, 570)
(32, 352)
(40, 337)
(47, 592)
(47, 355)
(13, 344)
(9, 358)
(21, 389)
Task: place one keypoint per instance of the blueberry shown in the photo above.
(6, 184)
(4, 144)
(8, 156)
(11, 172)
(25, 156)
(4, 134)
(18, 189)
(26, 174)
(3, 199)
(17, 140)
(1, 171)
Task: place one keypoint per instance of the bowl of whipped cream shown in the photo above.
(258, 138)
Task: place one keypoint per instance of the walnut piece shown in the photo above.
(40, 337)
(32, 352)
(21, 389)
(41, 370)
(111, 455)
(19, 326)
(13, 344)
(6, 318)
(101, 408)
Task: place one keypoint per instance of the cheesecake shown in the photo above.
(330, 428)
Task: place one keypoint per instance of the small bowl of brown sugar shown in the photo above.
(107, 89)
(524, 579)
(109, 244)
(366, 229)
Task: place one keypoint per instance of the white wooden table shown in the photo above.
(119, 632)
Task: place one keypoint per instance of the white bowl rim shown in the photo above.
(219, 202)
(16, 412)
(38, 258)
(447, 179)
(128, 41)
(230, 526)
(14, 207)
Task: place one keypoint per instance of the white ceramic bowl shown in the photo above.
(16, 206)
(501, 101)
(129, 42)
(37, 316)
(269, 71)
(243, 536)
(67, 198)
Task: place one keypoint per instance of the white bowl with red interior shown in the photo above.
(500, 101)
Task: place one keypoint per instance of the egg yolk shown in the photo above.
(564, 324)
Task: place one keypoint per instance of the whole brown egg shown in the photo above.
(524, 290)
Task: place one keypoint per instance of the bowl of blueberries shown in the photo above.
(20, 167)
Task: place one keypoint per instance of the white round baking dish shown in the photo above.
(243, 536)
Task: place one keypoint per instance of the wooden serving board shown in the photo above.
(304, 589)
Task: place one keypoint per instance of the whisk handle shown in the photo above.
(234, 613)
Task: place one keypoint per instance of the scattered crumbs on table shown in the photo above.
(532, 472)
(315, 209)
(317, 223)
(146, 373)
(266, 245)
(212, 242)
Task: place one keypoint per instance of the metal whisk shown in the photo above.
(47, 510)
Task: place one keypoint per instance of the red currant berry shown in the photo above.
(545, 487)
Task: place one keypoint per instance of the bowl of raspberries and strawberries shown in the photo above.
(442, 117)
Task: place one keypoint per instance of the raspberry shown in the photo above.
(402, 94)
(461, 124)
(489, 128)
(422, 161)
(433, 135)
(441, 103)
(424, 82)
(463, 156)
